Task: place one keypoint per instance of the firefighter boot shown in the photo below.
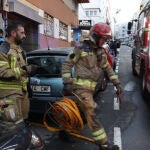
(109, 147)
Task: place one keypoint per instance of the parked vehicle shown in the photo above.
(141, 50)
(46, 86)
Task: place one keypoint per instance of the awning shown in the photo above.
(19, 8)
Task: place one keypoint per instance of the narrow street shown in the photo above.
(125, 124)
(45, 46)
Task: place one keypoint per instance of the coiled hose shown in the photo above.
(66, 115)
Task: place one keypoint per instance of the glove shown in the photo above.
(119, 88)
(67, 88)
(30, 69)
(34, 69)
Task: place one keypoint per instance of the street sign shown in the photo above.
(85, 24)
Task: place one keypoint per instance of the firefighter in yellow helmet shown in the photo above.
(14, 72)
(88, 60)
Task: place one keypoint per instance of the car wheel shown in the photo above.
(145, 93)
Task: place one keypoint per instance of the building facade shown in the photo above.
(95, 11)
(47, 22)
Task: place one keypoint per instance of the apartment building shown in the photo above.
(47, 22)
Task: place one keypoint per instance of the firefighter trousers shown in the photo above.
(88, 106)
(18, 109)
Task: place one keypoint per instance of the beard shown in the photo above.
(19, 41)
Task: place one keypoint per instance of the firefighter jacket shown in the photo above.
(13, 78)
(88, 64)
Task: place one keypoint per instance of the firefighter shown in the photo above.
(88, 60)
(14, 71)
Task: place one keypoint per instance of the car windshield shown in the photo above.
(48, 65)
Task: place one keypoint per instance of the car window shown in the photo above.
(48, 65)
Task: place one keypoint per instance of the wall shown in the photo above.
(57, 9)
(52, 42)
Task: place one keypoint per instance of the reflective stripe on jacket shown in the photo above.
(13, 85)
(88, 65)
(11, 62)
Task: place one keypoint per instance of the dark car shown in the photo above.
(46, 86)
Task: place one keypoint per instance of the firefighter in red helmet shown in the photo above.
(89, 59)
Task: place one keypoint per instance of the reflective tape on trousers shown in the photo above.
(99, 135)
(113, 77)
(98, 132)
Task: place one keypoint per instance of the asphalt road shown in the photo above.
(132, 118)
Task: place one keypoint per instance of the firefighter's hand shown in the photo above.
(119, 88)
(67, 88)
(68, 80)
(30, 69)
(34, 69)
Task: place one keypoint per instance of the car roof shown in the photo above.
(46, 51)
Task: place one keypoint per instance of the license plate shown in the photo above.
(38, 88)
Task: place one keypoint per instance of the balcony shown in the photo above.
(83, 1)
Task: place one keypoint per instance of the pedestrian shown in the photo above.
(2, 39)
(88, 61)
(14, 72)
(115, 47)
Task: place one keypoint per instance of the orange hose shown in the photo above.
(67, 115)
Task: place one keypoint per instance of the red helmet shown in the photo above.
(99, 30)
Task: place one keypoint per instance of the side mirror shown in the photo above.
(129, 27)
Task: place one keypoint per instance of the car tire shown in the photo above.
(145, 93)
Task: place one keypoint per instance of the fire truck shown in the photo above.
(141, 49)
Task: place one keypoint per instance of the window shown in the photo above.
(95, 13)
(48, 25)
(87, 13)
(48, 65)
(63, 31)
(91, 13)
